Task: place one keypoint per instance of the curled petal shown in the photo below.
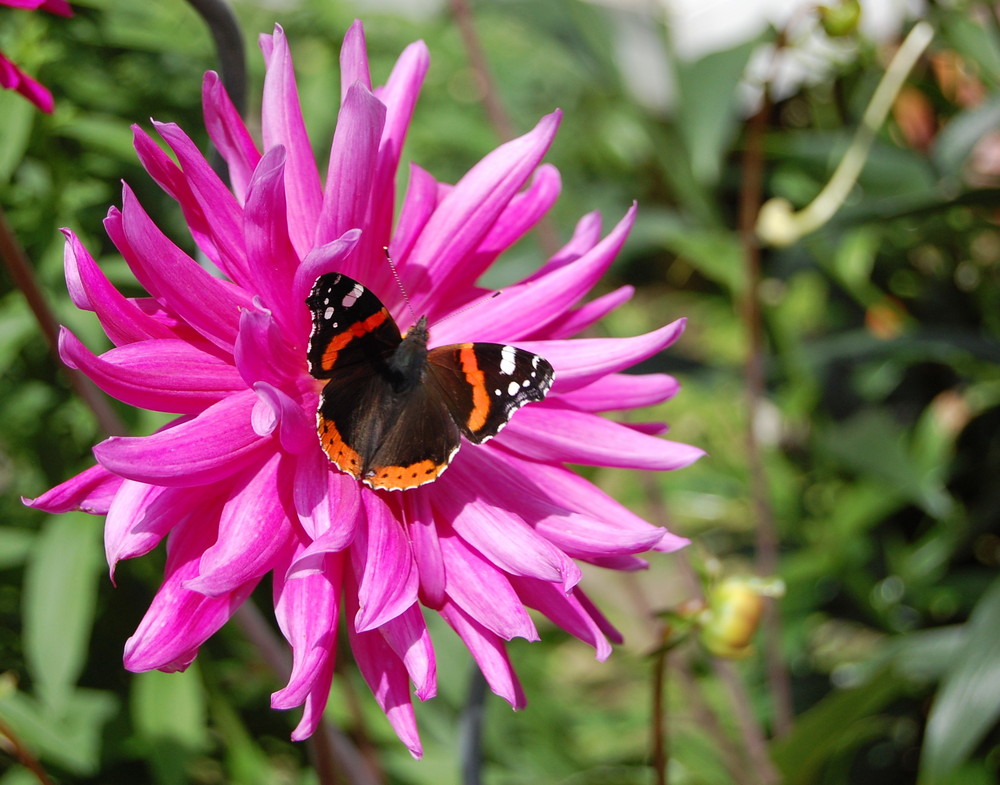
(419, 518)
(586, 315)
(92, 490)
(354, 60)
(623, 391)
(229, 134)
(328, 503)
(212, 446)
(408, 637)
(565, 610)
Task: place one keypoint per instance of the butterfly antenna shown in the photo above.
(399, 283)
(474, 304)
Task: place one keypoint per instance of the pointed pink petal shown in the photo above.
(308, 609)
(296, 430)
(229, 134)
(210, 447)
(585, 360)
(586, 235)
(261, 352)
(466, 215)
(419, 204)
(92, 490)
(578, 320)
(408, 637)
(354, 60)
(562, 435)
(272, 259)
(483, 592)
(282, 124)
(13, 78)
(254, 526)
(419, 518)
(180, 620)
(599, 618)
(121, 319)
(329, 258)
(160, 375)
(352, 166)
(527, 307)
(210, 305)
(328, 503)
(563, 609)
(383, 565)
(623, 391)
(385, 675)
(489, 653)
(479, 514)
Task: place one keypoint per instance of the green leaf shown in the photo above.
(60, 590)
(169, 711)
(837, 724)
(15, 131)
(706, 112)
(968, 703)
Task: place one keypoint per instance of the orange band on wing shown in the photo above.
(399, 478)
(477, 380)
(356, 330)
(346, 458)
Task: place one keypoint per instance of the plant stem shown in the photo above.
(229, 48)
(24, 757)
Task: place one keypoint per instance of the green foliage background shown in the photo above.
(877, 430)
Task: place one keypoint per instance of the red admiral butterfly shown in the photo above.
(392, 412)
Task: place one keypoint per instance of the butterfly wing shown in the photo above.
(483, 384)
(350, 327)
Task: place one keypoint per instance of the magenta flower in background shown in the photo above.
(12, 77)
(238, 483)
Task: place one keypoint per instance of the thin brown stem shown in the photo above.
(660, 752)
(496, 113)
(751, 191)
(23, 755)
(23, 275)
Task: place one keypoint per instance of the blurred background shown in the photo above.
(836, 617)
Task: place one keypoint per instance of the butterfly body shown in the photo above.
(393, 412)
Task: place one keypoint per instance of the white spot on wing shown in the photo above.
(507, 364)
(328, 313)
(513, 388)
(352, 296)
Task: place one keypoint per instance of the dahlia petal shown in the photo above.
(282, 124)
(296, 432)
(621, 563)
(483, 592)
(399, 96)
(485, 522)
(328, 504)
(261, 352)
(419, 205)
(315, 703)
(354, 60)
(254, 525)
(585, 360)
(586, 234)
(564, 610)
(465, 216)
(599, 618)
(523, 212)
(180, 620)
(588, 314)
(385, 675)
(222, 220)
(141, 515)
(13, 78)
(489, 653)
(408, 637)
(205, 449)
(210, 305)
(212, 217)
(229, 134)
(526, 307)
(573, 491)
(307, 609)
(427, 554)
(122, 320)
(270, 254)
(92, 490)
(623, 391)
(328, 258)
(554, 434)
(383, 565)
(58, 7)
(353, 158)
(162, 375)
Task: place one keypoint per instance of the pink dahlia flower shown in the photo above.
(12, 77)
(239, 484)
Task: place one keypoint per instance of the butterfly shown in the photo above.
(393, 412)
